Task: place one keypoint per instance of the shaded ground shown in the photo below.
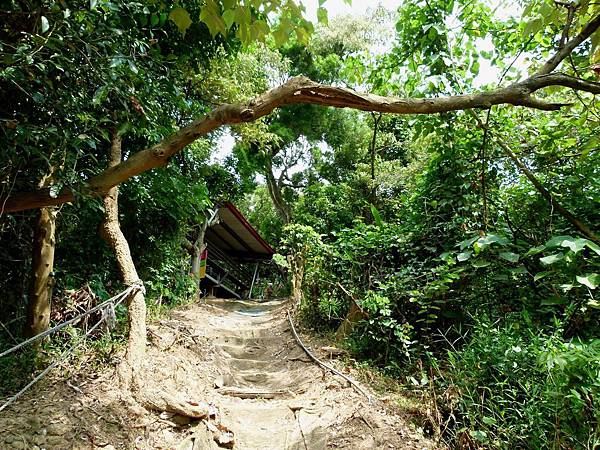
(238, 357)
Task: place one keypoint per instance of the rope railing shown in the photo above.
(62, 325)
(113, 301)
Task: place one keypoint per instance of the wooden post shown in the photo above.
(253, 279)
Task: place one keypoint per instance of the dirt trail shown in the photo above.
(239, 357)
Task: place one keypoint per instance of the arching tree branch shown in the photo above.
(302, 90)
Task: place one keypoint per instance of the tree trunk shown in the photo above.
(42, 266)
(282, 207)
(198, 247)
(212, 217)
(297, 268)
(376, 120)
(354, 316)
(110, 231)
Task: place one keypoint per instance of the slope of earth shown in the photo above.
(239, 359)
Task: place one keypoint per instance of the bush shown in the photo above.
(510, 387)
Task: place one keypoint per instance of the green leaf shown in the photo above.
(593, 246)
(533, 27)
(519, 270)
(551, 259)
(45, 24)
(124, 128)
(540, 275)
(509, 256)
(228, 18)
(322, 16)
(556, 241)
(181, 18)
(591, 280)
(376, 216)
(489, 420)
(467, 242)
(464, 256)
(553, 301)
(132, 66)
(281, 36)
(535, 250)
(575, 245)
(478, 263)
(491, 239)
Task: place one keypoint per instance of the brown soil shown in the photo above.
(238, 357)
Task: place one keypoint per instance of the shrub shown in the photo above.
(510, 387)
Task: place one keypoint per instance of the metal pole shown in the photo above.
(253, 279)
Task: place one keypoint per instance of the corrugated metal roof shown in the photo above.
(234, 235)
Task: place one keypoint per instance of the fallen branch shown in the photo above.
(356, 313)
(322, 364)
(243, 393)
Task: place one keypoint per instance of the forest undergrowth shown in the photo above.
(447, 241)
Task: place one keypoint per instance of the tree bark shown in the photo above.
(281, 206)
(354, 316)
(199, 246)
(130, 370)
(297, 264)
(110, 230)
(42, 267)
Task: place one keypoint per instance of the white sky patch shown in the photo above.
(224, 148)
(339, 7)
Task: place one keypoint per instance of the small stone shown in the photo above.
(38, 439)
(181, 420)
(10, 439)
(219, 382)
(55, 441)
(18, 445)
(332, 385)
(57, 429)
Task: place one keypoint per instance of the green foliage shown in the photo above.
(251, 20)
(16, 369)
(445, 233)
(382, 337)
(510, 386)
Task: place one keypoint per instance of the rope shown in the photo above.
(322, 364)
(64, 355)
(53, 330)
